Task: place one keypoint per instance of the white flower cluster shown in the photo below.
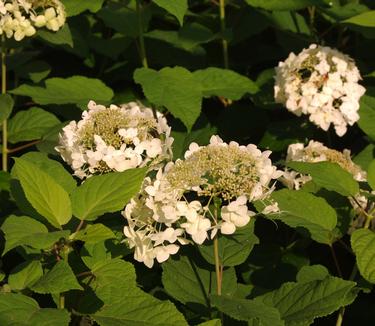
(208, 191)
(323, 83)
(115, 139)
(20, 18)
(317, 152)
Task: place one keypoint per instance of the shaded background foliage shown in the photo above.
(101, 41)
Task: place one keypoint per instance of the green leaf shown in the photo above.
(300, 303)
(52, 168)
(124, 19)
(182, 140)
(36, 70)
(25, 275)
(283, 4)
(23, 230)
(94, 233)
(367, 114)
(224, 82)
(125, 303)
(363, 244)
(106, 193)
(187, 282)
(4, 181)
(213, 322)
(312, 273)
(371, 175)
(365, 157)
(6, 106)
(47, 197)
(62, 36)
(233, 249)
(175, 88)
(329, 175)
(93, 253)
(30, 125)
(74, 7)
(73, 90)
(177, 8)
(247, 310)
(366, 19)
(302, 209)
(20, 310)
(59, 279)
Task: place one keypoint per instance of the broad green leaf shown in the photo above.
(328, 175)
(106, 193)
(4, 181)
(53, 169)
(367, 114)
(233, 249)
(182, 140)
(247, 310)
(371, 175)
(338, 12)
(25, 275)
(36, 70)
(62, 36)
(77, 90)
(20, 310)
(365, 157)
(93, 253)
(300, 303)
(187, 282)
(177, 8)
(312, 273)
(302, 209)
(224, 82)
(213, 322)
(6, 106)
(126, 304)
(30, 125)
(48, 317)
(280, 134)
(363, 244)
(74, 7)
(283, 4)
(47, 197)
(124, 19)
(175, 88)
(94, 233)
(23, 230)
(366, 19)
(59, 279)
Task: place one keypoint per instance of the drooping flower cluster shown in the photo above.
(207, 192)
(323, 83)
(317, 152)
(115, 139)
(21, 18)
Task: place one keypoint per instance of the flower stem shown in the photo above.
(142, 48)
(217, 266)
(62, 301)
(3, 91)
(335, 260)
(222, 28)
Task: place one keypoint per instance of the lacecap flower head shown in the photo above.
(21, 18)
(115, 139)
(317, 152)
(322, 83)
(209, 191)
